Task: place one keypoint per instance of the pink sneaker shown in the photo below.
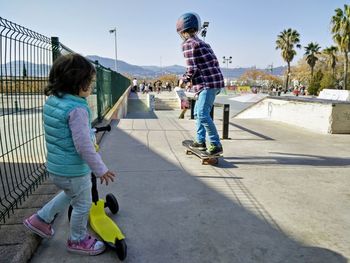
(88, 246)
(38, 226)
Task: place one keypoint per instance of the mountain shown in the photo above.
(155, 71)
(123, 67)
(15, 68)
(138, 71)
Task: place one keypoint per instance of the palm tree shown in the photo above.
(331, 53)
(341, 35)
(286, 41)
(312, 49)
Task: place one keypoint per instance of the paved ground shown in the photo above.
(279, 194)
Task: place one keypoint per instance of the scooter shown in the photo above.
(100, 222)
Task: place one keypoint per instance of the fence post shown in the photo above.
(225, 122)
(150, 102)
(98, 91)
(55, 43)
(193, 103)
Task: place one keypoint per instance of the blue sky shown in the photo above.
(146, 35)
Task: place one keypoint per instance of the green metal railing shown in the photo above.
(25, 60)
(108, 93)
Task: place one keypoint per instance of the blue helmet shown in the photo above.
(188, 21)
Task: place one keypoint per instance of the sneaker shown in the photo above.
(39, 226)
(198, 145)
(88, 246)
(214, 150)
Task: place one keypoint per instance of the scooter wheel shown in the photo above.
(70, 210)
(112, 203)
(121, 249)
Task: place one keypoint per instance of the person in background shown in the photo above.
(168, 86)
(134, 85)
(184, 102)
(146, 89)
(141, 87)
(204, 73)
(159, 87)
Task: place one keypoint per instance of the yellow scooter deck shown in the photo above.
(105, 227)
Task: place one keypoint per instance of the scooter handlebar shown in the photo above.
(103, 128)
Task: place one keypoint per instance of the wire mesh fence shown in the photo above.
(25, 61)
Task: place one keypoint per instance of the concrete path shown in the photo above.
(279, 194)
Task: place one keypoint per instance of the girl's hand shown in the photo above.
(108, 176)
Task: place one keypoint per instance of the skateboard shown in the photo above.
(205, 158)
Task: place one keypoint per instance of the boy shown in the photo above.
(204, 73)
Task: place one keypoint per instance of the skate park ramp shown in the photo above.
(317, 115)
(137, 107)
(249, 97)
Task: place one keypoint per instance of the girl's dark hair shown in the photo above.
(69, 74)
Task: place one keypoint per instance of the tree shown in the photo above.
(251, 77)
(170, 78)
(286, 41)
(24, 73)
(312, 49)
(327, 82)
(315, 83)
(331, 53)
(301, 72)
(341, 36)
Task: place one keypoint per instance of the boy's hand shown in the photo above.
(181, 83)
(108, 176)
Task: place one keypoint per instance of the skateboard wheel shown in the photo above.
(112, 203)
(210, 161)
(188, 152)
(120, 249)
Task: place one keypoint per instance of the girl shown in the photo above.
(70, 152)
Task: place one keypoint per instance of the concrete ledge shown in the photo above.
(334, 94)
(17, 244)
(317, 115)
(118, 111)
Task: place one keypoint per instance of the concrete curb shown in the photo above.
(31, 243)
(17, 244)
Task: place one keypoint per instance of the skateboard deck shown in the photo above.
(205, 158)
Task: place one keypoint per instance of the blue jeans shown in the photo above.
(77, 192)
(204, 122)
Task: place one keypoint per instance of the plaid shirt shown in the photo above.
(202, 65)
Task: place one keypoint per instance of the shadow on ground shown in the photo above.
(175, 210)
(292, 159)
(171, 214)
